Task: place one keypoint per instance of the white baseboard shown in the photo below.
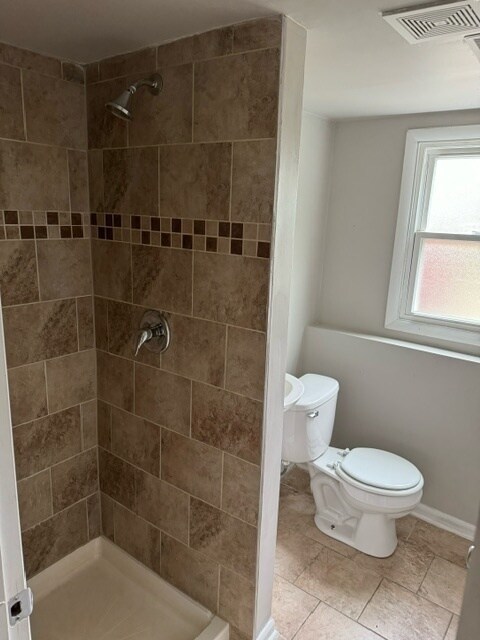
(444, 521)
(268, 632)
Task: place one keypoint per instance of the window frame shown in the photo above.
(422, 147)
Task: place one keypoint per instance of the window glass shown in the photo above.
(454, 205)
(448, 280)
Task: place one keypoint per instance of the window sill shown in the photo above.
(403, 344)
(434, 331)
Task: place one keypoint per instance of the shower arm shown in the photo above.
(152, 83)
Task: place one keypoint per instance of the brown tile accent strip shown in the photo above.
(45, 225)
(234, 238)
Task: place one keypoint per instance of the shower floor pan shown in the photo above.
(99, 592)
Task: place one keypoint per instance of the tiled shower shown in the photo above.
(101, 221)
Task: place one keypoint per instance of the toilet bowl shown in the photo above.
(358, 493)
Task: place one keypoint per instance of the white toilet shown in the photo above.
(359, 493)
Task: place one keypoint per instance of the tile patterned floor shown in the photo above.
(324, 589)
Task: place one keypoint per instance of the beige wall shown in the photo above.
(184, 202)
(46, 288)
(316, 147)
(423, 406)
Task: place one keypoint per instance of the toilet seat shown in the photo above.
(379, 472)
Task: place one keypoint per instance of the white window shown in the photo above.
(435, 280)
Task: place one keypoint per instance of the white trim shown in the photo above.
(288, 150)
(445, 521)
(421, 146)
(268, 632)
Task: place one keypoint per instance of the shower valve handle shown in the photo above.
(154, 333)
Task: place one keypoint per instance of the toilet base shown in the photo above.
(361, 520)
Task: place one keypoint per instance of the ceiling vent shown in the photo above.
(435, 22)
(474, 44)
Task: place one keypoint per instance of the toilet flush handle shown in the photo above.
(314, 414)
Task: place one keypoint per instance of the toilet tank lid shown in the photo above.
(318, 389)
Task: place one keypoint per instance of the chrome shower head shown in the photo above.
(121, 106)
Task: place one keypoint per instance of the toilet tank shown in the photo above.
(308, 425)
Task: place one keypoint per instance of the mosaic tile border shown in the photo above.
(214, 236)
(43, 225)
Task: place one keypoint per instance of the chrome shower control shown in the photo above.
(154, 333)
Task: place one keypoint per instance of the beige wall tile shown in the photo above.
(117, 478)
(54, 111)
(33, 177)
(112, 270)
(452, 629)
(74, 479)
(246, 352)
(398, 614)
(29, 60)
(195, 181)
(94, 516)
(163, 505)
(73, 72)
(135, 62)
(253, 180)
(290, 607)
(86, 337)
(227, 421)
(74, 278)
(444, 584)
(130, 180)
(11, 111)
(241, 489)
(137, 537)
(163, 398)
(223, 538)
(197, 349)
(257, 34)
(136, 440)
(95, 179)
(101, 323)
(35, 499)
(200, 46)
(104, 129)
(237, 600)
(192, 466)
(104, 427)
(231, 289)
(71, 380)
(46, 441)
(18, 272)
(39, 331)
(88, 414)
(339, 582)
(115, 380)
(28, 392)
(78, 180)
(107, 506)
(326, 623)
(190, 572)
(55, 538)
(166, 118)
(162, 278)
(225, 109)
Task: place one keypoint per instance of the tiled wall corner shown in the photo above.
(188, 233)
(46, 287)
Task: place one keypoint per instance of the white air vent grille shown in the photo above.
(446, 21)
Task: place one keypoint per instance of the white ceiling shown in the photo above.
(356, 64)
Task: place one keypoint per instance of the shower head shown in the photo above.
(121, 106)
